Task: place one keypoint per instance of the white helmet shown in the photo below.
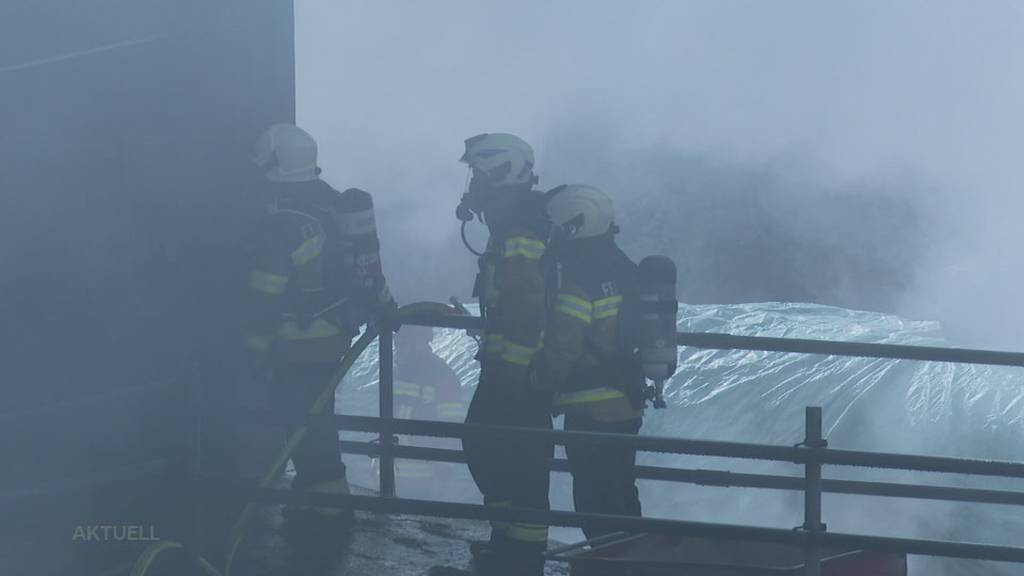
(286, 153)
(580, 211)
(507, 160)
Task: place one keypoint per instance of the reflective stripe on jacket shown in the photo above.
(513, 294)
(581, 361)
(284, 285)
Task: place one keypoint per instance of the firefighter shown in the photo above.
(426, 388)
(511, 288)
(315, 278)
(585, 364)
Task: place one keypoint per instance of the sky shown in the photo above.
(927, 92)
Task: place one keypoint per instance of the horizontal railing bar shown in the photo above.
(726, 479)
(458, 322)
(797, 455)
(794, 345)
(920, 463)
(924, 492)
(563, 437)
(857, 349)
(631, 524)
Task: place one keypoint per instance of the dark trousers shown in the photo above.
(295, 386)
(510, 472)
(603, 476)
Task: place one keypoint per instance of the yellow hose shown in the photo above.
(150, 553)
(242, 525)
(327, 394)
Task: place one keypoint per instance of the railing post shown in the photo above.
(387, 411)
(813, 526)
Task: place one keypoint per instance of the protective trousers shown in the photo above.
(295, 386)
(510, 471)
(603, 476)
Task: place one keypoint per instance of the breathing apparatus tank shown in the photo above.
(359, 245)
(656, 323)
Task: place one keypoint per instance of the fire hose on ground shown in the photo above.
(245, 520)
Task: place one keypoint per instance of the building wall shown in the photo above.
(123, 141)
(124, 135)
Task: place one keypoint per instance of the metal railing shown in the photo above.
(813, 453)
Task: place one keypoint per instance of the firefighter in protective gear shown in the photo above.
(511, 287)
(592, 374)
(426, 388)
(315, 276)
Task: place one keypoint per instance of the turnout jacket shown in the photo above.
(427, 388)
(309, 287)
(584, 361)
(511, 287)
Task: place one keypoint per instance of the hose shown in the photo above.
(244, 521)
(465, 241)
(145, 560)
(242, 525)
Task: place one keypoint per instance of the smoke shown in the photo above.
(769, 229)
(858, 155)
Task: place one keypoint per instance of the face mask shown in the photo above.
(474, 200)
(472, 204)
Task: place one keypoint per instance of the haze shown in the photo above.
(914, 98)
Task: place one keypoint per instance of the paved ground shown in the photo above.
(376, 544)
(373, 544)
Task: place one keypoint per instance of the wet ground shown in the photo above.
(374, 544)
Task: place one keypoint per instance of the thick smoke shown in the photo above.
(859, 154)
(772, 229)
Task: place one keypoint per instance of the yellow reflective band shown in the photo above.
(408, 389)
(258, 342)
(607, 307)
(450, 409)
(309, 249)
(574, 306)
(528, 532)
(429, 393)
(319, 328)
(588, 396)
(339, 486)
(274, 284)
(517, 353)
(494, 344)
(522, 246)
(498, 525)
